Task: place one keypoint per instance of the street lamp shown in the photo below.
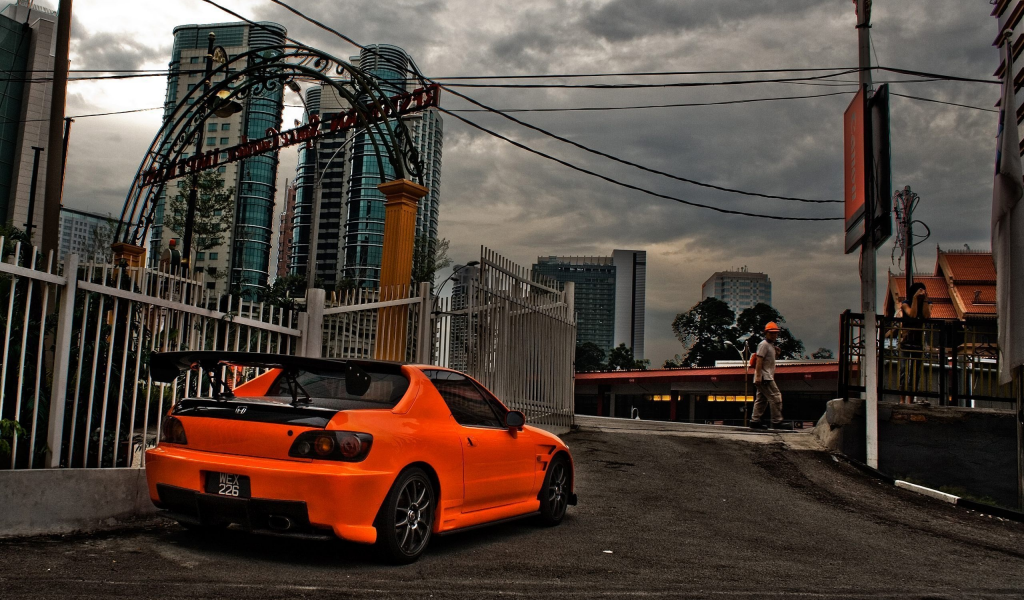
(433, 303)
(437, 294)
(745, 357)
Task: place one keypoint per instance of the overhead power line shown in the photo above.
(630, 186)
(559, 138)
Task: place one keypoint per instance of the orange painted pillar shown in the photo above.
(402, 200)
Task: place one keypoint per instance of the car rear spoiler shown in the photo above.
(165, 367)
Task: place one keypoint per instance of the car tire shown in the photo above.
(407, 517)
(554, 494)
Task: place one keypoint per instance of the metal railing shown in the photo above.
(516, 334)
(75, 348)
(75, 342)
(951, 363)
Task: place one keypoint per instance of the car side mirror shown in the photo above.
(515, 420)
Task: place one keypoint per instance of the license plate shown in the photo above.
(227, 484)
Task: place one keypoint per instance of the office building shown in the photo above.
(610, 296)
(464, 286)
(243, 260)
(27, 41)
(350, 236)
(630, 299)
(740, 289)
(89, 235)
(284, 240)
(594, 279)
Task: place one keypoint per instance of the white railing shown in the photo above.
(93, 327)
(76, 340)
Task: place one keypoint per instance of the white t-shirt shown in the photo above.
(766, 350)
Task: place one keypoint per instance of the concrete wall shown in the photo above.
(49, 501)
(969, 452)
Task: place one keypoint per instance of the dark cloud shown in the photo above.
(524, 206)
(114, 51)
(628, 20)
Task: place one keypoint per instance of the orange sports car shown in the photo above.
(369, 451)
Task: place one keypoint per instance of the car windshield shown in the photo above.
(327, 390)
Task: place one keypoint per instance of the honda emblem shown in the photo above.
(241, 410)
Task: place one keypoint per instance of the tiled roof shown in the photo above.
(970, 267)
(936, 287)
(986, 304)
(782, 372)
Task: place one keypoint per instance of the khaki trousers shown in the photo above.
(768, 395)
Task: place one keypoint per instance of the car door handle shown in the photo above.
(470, 440)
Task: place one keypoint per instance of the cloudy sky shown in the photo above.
(524, 206)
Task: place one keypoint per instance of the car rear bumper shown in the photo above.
(313, 497)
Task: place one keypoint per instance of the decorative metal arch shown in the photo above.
(257, 74)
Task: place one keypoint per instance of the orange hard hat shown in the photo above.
(772, 326)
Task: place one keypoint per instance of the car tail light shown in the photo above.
(345, 446)
(173, 432)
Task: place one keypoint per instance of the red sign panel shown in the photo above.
(855, 159)
(403, 104)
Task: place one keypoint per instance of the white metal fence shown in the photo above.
(515, 332)
(75, 341)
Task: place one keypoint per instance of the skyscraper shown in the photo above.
(244, 259)
(27, 39)
(350, 236)
(594, 277)
(740, 289)
(630, 299)
(610, 296)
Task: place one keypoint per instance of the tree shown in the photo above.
(283, 292)
(703, 331)
(215, 209)
(589, 357)
(822, 353)
(428, 257)
(752, 321)
(676, 362)
(621, 357)
(102, 240)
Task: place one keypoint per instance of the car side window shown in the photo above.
(468, 405)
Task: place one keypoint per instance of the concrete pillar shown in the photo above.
(313, 334)
(672, 406)
(693, 407)
(600, 400)
(396, 264)
(611, 404)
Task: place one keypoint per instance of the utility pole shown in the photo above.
(868, 261)
(29, 225)
(54, 149)
(190, 213)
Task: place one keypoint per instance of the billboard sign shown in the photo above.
(855, 172)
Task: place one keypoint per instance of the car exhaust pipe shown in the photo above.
(279, 523)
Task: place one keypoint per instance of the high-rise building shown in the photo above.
(350, 237)
(610, 296)
(284, 240)
(463, 287)
(630, 299)
(740, 289)
(244, 259)
(27, 41)
(594, 277)
(89, 235)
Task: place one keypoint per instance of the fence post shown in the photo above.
(313, 333)
(62, 362)
(426, 331)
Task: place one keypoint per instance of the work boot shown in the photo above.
(783, 425)
(758, 425)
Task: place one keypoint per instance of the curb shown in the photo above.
(988, 509)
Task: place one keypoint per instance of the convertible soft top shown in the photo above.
(166, 366)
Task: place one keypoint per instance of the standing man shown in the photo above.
(764, 381)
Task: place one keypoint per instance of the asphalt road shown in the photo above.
(664, 512)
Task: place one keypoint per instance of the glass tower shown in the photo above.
(243, 262)
(351, 225)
